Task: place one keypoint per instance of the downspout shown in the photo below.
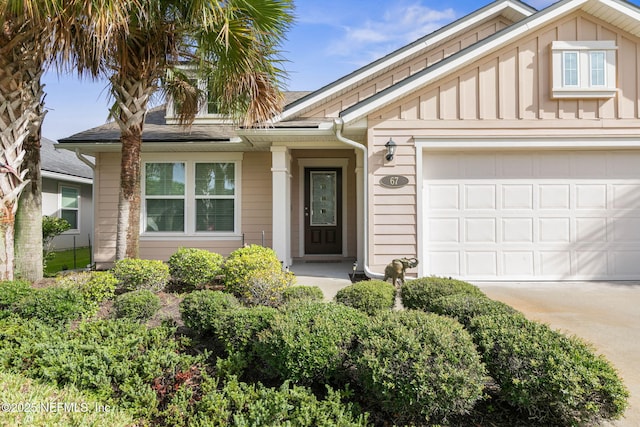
(337, 126)
(85, 160)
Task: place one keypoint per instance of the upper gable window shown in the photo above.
(209, 110)
(584, 69)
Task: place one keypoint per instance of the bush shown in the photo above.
(95, 287)
(465, 307)
(369, 296)
(242, 262)
(12, 291)
(195, 267)
(136, 305)
(235, 403)
(200, 310)
(309, 342)
(557, 380)
(135, 274)
(302, 293)
(419, 293)
(264, 288)
(418, 367)
(54, 306)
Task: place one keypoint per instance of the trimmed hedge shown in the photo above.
(465, 307)
(195, 267)
(242, 262)
(94, 286)
(419, 293)
(134, 274)
(555, 379)
(264, 287)
(302, 293)
(200, 310)
(136, 305)
(370, 296)
(309, 342)
(418, 368)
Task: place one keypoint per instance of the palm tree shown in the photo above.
(232, 42)
(34, 33)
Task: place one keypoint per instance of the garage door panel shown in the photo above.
(480, 230)
(480, 196)
(554, 196)
(554, 215)
(517, 196)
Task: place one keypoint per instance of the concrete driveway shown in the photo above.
(605, 314)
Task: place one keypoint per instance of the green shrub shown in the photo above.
(264, 287)
(369, 296)
(12, 291)
(234, 403)
(135, 274)
(302, 293)
(308, 342)
(136, 305)
(117, 361)
(242, 262)
(54, 306)
(556, 379)
(465, 307)
(95, 287)
(419, 293)
(418, 367)
(195, 267)
(200, 310)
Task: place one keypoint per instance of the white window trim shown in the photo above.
(190, 161)
(60, 208)
(584, 89)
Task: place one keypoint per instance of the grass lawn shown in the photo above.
(63, 260)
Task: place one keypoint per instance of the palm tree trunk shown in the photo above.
(132, 96)
(15, 112)
(28, 226)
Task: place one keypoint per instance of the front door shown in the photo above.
(323, 211)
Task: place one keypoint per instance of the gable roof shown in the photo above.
(512, 9)
(54, 162)
(620, 13)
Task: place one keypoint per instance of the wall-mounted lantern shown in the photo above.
(391, 149)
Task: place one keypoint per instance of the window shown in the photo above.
(191, 197)
(70, 206)
(209, 110)
(585, 69)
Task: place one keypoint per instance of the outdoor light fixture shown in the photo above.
(391, 149)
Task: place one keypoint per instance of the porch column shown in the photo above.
(281, 181)
(360, 208)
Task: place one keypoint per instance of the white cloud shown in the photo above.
(394, 27)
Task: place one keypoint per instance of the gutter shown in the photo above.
(84, 160)
(337, 126)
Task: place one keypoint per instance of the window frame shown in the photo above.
(77, 189)
(203, 115)
(585, 88)
(190, 196)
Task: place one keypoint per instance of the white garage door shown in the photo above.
(551, 215)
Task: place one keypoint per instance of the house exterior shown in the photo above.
(67, 192)
(517, 136)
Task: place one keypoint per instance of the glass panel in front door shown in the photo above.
(323, 198)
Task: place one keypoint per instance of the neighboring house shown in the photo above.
(67, 193)
(517, 157)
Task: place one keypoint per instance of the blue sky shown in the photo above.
(329, 39)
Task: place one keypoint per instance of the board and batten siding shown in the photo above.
(511, 88)
(428, 57)
(506, 94)
(256, 212)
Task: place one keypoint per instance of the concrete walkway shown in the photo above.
(605, 314)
